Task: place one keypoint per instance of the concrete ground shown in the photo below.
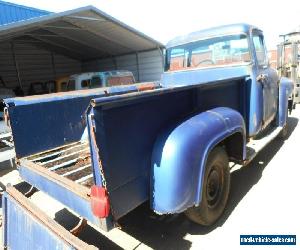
(264, 199)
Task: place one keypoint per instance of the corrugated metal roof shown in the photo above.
(84, 33)
(10, 13)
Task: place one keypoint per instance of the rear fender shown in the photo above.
(285, 90)
(179, 158)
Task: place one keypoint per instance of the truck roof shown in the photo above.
(211, 32)
(106, 73)
(294, 31)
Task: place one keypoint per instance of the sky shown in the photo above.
(164, 19)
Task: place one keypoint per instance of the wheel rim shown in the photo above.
(214, 187)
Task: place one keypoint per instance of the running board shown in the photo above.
(255, 146)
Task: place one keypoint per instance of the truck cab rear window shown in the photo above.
(119, 80)
(96, 82)
(85, 83)
(210, 52)
(71, 85)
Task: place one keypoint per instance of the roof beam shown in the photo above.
(48, 47)
(43, 40)
(102, 51)
(88, 18)
(60, 27)
(41, 35)
(100, 35)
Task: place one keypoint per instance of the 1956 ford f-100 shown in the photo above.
(169, 142)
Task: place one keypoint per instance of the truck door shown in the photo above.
(267, 79)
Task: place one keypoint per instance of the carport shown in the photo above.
(80, 40)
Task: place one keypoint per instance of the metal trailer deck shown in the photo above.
(40, 229)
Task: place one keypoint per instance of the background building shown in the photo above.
(37, 46)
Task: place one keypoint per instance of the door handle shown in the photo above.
(262, 78)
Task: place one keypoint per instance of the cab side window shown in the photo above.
(85, 83)
(260, 50)
(96, 82)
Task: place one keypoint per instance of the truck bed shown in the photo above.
(123, 128)
(51, 157)
(72, 161)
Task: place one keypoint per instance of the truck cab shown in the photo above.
(223, 52)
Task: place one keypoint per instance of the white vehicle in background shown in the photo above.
(4, 93)
(6, 143)
(288, 61)
(100, 79)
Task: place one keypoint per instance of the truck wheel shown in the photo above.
(216, 185)
(284, 132)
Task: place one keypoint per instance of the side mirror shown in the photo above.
(272, 58)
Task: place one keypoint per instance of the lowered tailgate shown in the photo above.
(65, 173)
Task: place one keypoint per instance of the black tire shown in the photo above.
(284, 132)
(216, 185)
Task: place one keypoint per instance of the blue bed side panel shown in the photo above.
(44, 122)
(126, 131)
(285, 90)
(125, 137)
(42, 126)
(179, 157)
(254, 90)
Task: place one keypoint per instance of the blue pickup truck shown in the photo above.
(171, 142)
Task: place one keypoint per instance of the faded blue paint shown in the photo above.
(285, 90)
(199, 107)
(10, 13)
(94, 149)
(53, 120)
(36, 99)
(179, 158)
(127, 126)
(200, 76)
(263, 96)
(174, 176)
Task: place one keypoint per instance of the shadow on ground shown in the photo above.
(6, 167)
(88, 234)
(167, 232)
